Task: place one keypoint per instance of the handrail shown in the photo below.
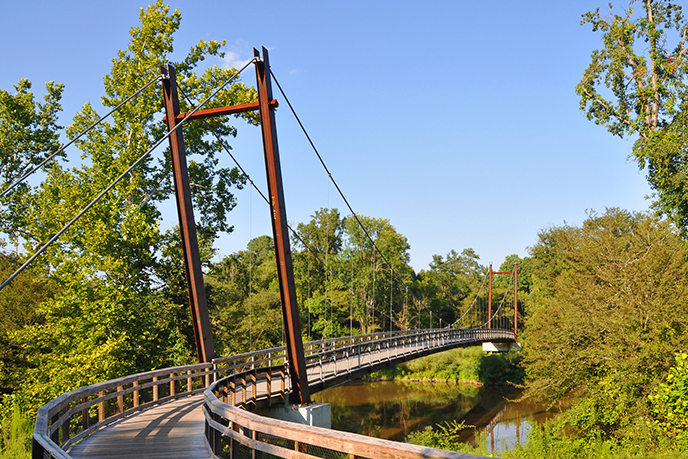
(234, 428)
(74, 415)
(69, 418)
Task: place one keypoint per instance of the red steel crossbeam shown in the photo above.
(221, 111)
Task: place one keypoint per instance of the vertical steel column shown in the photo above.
(515, 300)
(489, 301)
(290, 309)
(187, 225)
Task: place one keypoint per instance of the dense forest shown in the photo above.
(601, 304)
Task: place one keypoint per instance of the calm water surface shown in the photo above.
(393, 409)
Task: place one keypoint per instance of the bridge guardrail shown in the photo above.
(235, 432)
(74, 415)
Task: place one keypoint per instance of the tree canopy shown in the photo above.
(607, 299)
(116, 305)
(636, 86)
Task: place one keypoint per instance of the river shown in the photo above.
(393, 409)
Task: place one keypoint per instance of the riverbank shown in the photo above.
(470, 365)
(546, 442)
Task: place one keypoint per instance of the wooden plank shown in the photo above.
(174, 429)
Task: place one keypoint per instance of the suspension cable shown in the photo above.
(500, 304)
(329, 174)
(473, 303)
(119, 178)
(252, 183)
(61, 149)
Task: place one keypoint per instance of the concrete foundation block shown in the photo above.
(500, 347)
(313, 414)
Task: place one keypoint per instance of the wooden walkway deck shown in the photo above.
(173, 429)
(176, 429)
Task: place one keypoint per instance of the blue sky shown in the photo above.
(456, 120)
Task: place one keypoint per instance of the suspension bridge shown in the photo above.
(206, 410)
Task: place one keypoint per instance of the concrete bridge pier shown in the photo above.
(310, 414)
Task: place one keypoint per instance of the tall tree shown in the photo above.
(450, 281)
(114, 312)
(28, 135)
(636, 86)
(606, 315)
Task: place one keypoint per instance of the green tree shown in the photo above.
(669, 403)
(379, 281)
(606, 315)
(322, 239)
(636, 86)
(244, 301)
(118, 307)
(19, 302)
(28, 135)
(451, 281)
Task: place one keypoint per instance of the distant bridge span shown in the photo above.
(219, 422)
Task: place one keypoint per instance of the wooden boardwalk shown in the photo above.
(176, 429)
(173, 429)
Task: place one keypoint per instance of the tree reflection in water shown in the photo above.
(393, 409)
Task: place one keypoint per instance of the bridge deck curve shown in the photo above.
(177, 426)
(172, 429)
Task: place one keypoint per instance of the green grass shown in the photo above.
(470, 364)
(544, 443)
(16, 429)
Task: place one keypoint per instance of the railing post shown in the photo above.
(55, 436)
(65, 426)
(155, 389)
(120, 400)
(257, 437)
(243, 391)
(101, 407)
(217, 437)
(189, 383)
(37, 450)
(85, 420)
(136, 394)
(269, 382)
(172, 385)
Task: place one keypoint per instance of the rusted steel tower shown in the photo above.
(290, 310)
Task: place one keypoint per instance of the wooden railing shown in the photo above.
(246, 380)
(233, 431)
(74, 415)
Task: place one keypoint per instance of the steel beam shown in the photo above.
(489, 301)
(205, 348)
(221, 111)
(515, 300)
(285, 272)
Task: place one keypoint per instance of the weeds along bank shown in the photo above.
(463, 365)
